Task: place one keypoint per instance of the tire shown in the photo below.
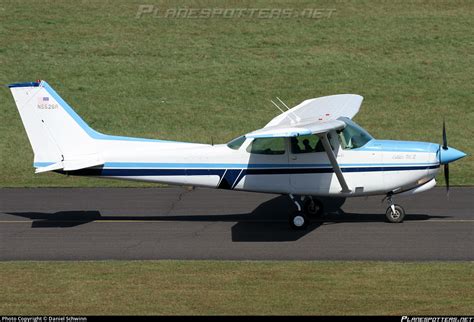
(298, 221)
(313, 208)
(396, 217)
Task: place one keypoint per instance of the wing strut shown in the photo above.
(335, 165)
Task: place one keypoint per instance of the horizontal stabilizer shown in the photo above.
(71, 165)
(52, 167)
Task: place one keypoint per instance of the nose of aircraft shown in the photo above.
(449, 155)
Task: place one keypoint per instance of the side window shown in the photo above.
(306, 144)
(267, 146)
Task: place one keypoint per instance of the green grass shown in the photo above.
(226, 287)
(197, 79)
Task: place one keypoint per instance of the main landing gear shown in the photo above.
(395, 213)
(309, 208)
(313, 207)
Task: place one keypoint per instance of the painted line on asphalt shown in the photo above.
(174, 221)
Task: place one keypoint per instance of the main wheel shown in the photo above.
(313, 207)
(298, 221)
(397, 216)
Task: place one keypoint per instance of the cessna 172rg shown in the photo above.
(309, 152)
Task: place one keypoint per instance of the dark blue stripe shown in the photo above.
(242, 174)
(230, 177)
(28, 84)
(371, 169)
(233, 174)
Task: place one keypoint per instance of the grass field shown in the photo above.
(201, 287)
(197, 79)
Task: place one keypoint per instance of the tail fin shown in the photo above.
(55, 131)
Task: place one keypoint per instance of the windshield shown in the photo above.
(353, 136)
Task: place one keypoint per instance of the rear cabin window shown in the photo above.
(267, 146)
(236, 143)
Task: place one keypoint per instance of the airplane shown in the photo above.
(311, 152)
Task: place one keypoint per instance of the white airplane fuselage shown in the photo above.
(378, 167)
(312, 149)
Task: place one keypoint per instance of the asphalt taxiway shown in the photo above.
(180, 223)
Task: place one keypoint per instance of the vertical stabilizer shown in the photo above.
(54, 130)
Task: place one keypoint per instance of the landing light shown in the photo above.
(423, 180)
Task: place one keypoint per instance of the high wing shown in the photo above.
(315, 116)
(321, 109)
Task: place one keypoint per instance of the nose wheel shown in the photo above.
(395, 213)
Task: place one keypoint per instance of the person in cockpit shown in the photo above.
(307, 146)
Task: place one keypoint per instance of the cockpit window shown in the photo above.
(236, 143)
(267, 146)
(353, 136)
(306, 144)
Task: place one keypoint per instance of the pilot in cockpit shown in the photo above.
(307, 146)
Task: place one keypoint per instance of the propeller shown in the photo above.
(446, 166)
(445, 141)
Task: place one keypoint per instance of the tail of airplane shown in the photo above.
(59, 137)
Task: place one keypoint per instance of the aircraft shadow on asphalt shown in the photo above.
(266, 223)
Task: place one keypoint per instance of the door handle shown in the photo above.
(293, 157)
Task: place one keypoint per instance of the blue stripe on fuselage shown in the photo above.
(398, 146)
(229, 178)
(141, 165)
(238, 166)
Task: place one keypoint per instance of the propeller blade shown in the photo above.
(446, 177)
(445, 140)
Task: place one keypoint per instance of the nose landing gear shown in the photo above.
(395, 213)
